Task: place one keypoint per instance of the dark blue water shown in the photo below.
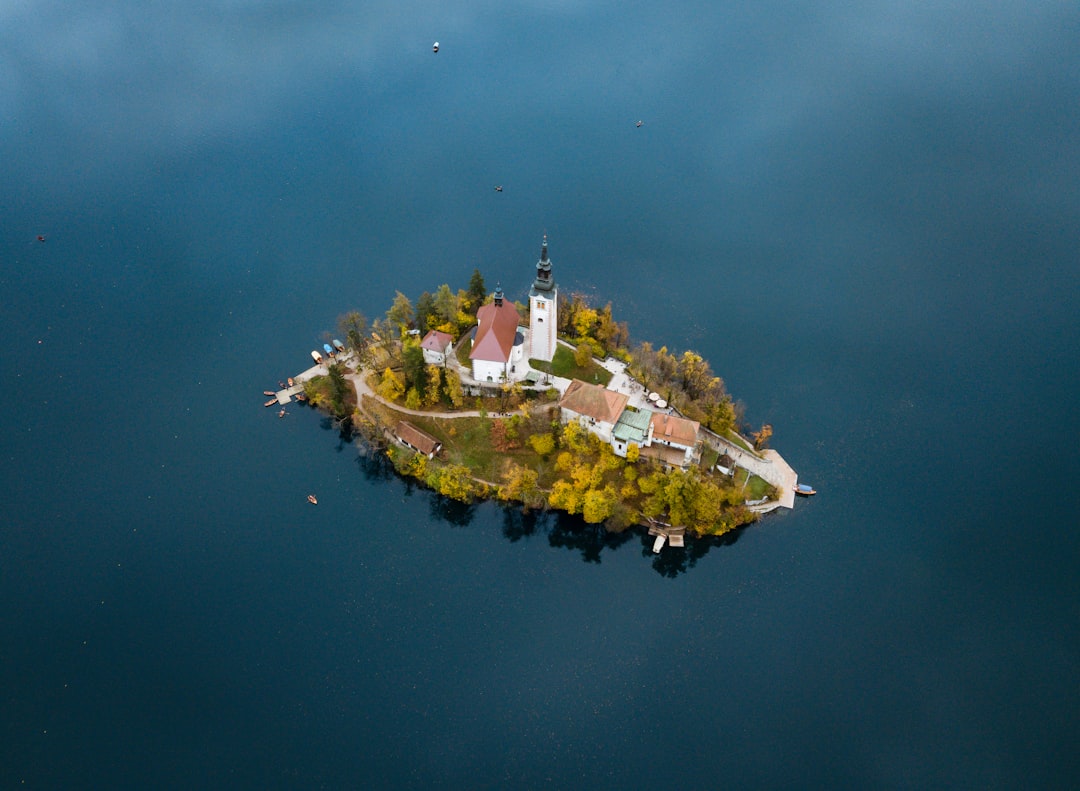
(866, 219)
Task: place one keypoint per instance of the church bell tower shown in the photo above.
(543, 310)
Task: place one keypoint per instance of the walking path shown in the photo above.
(768, 464)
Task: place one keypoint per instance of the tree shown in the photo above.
(521, 484)
(453, 481)
(339, 386)
(453, 388)
(584, 321)
(392, 386)
(434, 385)
(412, 361)
(633, 452)
(353, 327)
(425, 309)
(761, 436)
(583, 354)
(412, 400)
(477, 291)
(446, 305)
(542, 443)
(401, 313)
(598, 504)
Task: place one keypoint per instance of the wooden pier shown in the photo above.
(666, 533)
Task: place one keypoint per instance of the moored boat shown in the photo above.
(328, 349)
(271, 402)
(312, 499)
(338, 345)
(281, 413)
(805, 490)
(316, 357)
(269, 392)
(292, 383)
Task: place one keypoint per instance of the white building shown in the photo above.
(543, 310)
(595, 407)
(498, 347)
(436, 345)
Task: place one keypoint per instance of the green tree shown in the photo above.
(401, 313)
(412, 400)
(425, 310)
(446, 304)
(412, 361)
(353, 327)
(477, 291)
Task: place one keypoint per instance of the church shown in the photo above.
(499, 345)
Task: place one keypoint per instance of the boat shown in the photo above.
(292, 382)
(271, 402)
(281, 413)
(435, 47)
(301, 397)
(316, 357)
(269, 392)
(338, 345)
(312, 499)
(805, 490)
(328, 349)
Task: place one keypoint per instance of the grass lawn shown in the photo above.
(466, 441)
(563, 365)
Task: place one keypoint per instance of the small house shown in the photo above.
(420, 441)
(436, 346)
(594, 406)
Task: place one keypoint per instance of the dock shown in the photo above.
(287, 394)
(675, 536)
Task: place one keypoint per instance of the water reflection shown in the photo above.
(454, 513)
(563, 531)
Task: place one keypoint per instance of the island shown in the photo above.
(546, 405)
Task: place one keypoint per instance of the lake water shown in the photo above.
(866, 219)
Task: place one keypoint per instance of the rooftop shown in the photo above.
(496, 332)
(593, 401)
(674, 429)
(633, 425)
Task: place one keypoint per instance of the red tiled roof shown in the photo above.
(436, 341)
(411, 435)
(497, 327)
(593, 401)
(671, 428)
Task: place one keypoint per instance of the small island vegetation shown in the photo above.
(511, 440)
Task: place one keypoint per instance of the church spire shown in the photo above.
(543, 280)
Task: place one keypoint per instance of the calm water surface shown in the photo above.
(866, 219)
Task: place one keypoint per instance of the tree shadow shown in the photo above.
(519, 524)
(563, 530)
(454, 512)
(375, 466)
(672, 561)
(343, 427)
(572, 532)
